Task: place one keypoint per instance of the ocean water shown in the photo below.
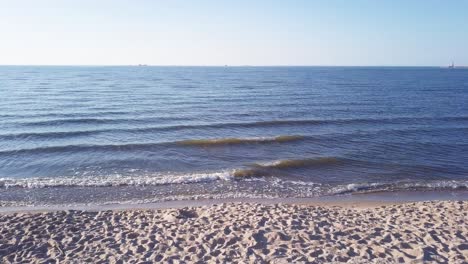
(140, 134)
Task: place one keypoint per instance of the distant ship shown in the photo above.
(452, 66)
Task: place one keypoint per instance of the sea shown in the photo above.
(128, 134)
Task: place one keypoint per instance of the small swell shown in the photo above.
(140, 146)
(49, 135)
(98, 121)
(57, 122)
(266, 169)
(84, 148)
(238, 141)
(181, 127)
(62, 115)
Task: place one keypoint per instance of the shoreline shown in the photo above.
(357, 200)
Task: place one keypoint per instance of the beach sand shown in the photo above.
(242, 232)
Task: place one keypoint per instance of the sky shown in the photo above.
(238, 32)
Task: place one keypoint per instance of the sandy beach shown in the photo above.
(243, 233)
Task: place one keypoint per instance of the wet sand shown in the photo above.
(242, 232)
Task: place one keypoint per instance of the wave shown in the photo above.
(237, 141)
(259, 169)
(266, 169)
(98, 121)
(150, 129)
(400, 186)
(193, 142)
(52, 134)
(346, 121)
(81, 147)
(114, 180)
(299, 163)
(62, 115)
(145, 146)
(66, 121)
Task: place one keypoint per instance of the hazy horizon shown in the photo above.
(221, 65)
(234, 33)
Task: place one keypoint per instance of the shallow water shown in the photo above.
(136, 134)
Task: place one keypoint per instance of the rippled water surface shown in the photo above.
(133, 134)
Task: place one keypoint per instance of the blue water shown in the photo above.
(119, 134)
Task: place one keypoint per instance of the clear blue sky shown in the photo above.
(257, 32)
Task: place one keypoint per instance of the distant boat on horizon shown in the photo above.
(453, 66)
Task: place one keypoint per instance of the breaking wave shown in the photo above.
(113, 180)
(266, 169)
(400, 186)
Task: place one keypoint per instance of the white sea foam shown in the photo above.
(269, 163)
(301, 183)
(430, 185)
(114, 180)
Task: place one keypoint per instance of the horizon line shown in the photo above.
(221, 65)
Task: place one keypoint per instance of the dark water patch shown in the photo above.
(272, 82)
(245, 87)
